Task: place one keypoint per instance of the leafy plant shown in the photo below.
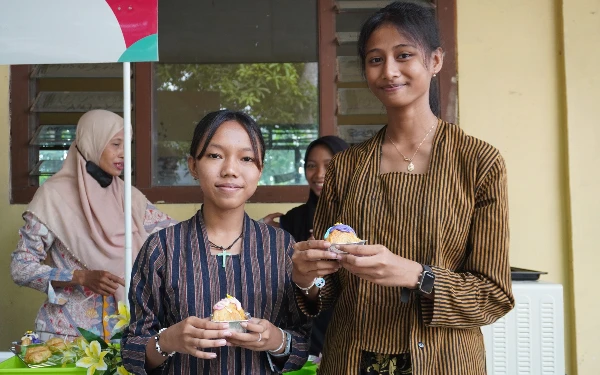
(281, 97)
(272, 93)
(95, 354)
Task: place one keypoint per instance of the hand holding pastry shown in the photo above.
(312, 259)
(377, 264)
(260, 335)
(192, 335)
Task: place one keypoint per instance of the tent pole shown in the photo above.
(127, 175)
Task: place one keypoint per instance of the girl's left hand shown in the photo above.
(377, 264)
(262, 335)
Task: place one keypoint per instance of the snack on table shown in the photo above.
(56, 345)
(341, 234)
(29, 338)
(228, 309)
(37, 354)
(79, 341)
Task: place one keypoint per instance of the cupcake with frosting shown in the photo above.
(230, 310)
(341, 234)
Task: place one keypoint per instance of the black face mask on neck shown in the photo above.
(103, 178)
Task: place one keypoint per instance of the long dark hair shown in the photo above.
(335, 145)
(207, 127)
(299, 221)
(418, 23)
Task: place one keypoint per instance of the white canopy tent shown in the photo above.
(100, 31)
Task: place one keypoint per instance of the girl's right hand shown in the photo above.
(192, 335)
(270, 219)
(312, 259)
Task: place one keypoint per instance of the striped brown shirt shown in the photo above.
(176, 276)
(454, 218)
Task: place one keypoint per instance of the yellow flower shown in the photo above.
(123, 317)
(121, 371)
(94, 359)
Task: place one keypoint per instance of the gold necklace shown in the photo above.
(411, 166)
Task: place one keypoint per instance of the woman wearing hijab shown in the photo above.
(299, 220)
(72, 244)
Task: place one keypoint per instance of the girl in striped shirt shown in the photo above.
(430, 201)
(182, 272)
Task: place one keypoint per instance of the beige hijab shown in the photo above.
(88, 219)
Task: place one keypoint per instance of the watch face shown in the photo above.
(427, 282)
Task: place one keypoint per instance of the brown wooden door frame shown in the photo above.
(448, 77)
(327, 67)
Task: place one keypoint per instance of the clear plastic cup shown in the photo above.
(333, 248)
(234, 325)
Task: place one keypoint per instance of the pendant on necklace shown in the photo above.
(224, 254)
(411, 167)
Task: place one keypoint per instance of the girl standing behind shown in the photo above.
(299, 220)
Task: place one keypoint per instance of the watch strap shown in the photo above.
(405, 295)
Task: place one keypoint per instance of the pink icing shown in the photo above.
(226, 301)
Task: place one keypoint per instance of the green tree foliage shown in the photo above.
(272, 93)
(277, 95)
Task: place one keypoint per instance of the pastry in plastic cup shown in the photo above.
(30, 338)
(342, 234)
(234, 325)
(229, 310)
(333, 248)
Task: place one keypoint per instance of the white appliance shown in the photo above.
(529, 340)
